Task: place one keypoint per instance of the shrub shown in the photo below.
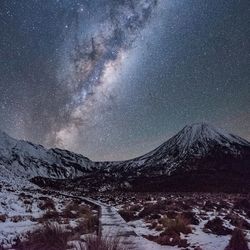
(171, 214)
(47, 203)
(215, 226)
(155, 216)
(16, 218)
(135, 208)
(149, 209)
(153, 224)
(242, 204)
(237, 241)
(84, 209)
(27, 202)
(237, 221)
(3, 217)
(127, 215)
(191, 217)
(67, 213)
(50, 237)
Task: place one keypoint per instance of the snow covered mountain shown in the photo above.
(22, 159)
(198, 155)
(193, 143)
(198, 158)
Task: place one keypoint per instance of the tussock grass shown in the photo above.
(47, 203)
(178, 225)
(102, 243)
(49, 237)
(237, 241)
(87, 225)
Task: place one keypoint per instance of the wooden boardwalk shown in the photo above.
(112, 225)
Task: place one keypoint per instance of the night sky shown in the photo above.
(113, 79)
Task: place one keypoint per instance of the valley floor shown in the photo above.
(139, 220)
(183, 220)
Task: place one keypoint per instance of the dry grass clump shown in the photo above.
(237, 241)
(169, 240)
(171, 236)
(171, 214)
(84, 210)
(93, 242)
(159, 228)
(46, 203)
(178, 225)
(191, 217)
(68, 213)
(49, 215)
(89, 224)
(49, 237)
(72, 205)
(75, 209)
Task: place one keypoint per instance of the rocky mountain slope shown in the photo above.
(22, 159)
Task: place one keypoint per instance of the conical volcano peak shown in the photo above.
(199, 131)
(207, 132)
(200, 125)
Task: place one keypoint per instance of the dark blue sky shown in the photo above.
(113, 79)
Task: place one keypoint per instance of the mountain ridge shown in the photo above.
(26, 160)
(198, 149)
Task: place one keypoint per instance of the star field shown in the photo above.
(112, 79)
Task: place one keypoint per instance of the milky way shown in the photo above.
(94, 59)
(112, 79)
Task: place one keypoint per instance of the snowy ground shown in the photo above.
(22, 211)
(212, 216)
(148, 217)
